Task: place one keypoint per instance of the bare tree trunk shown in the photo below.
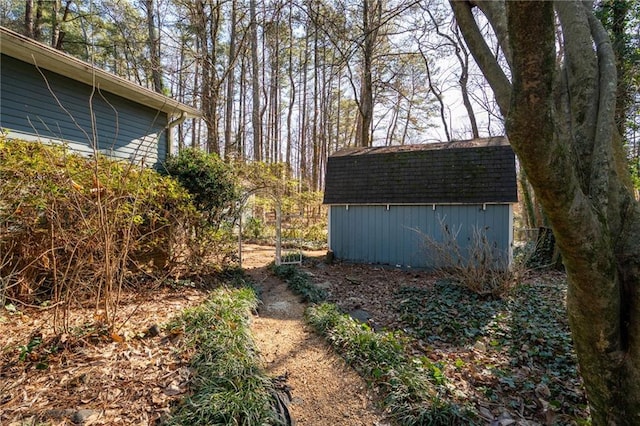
(316, 108)
(406, 125)
(371, 16)
(28, 18)
(55, 25)
(255, 84)
(437, 94)
(303, 115)
(37, 30)
(57, 34)
(154, 47)
(181, 90)
(292, 85)
(463, 59)
(228, 115)
(240, 131)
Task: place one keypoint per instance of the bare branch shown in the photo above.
(482, 53)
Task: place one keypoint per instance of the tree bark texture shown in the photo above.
(154, 47)
(256, 117)
(560, 122)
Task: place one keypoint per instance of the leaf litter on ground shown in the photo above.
(91, 376)
(512, 357)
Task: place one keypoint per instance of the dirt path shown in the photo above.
(325, 390)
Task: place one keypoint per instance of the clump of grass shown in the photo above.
(298, 281)
(414, 388)
(229, 386)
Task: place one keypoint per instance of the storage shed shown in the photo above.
(50, 96)
(386, 202)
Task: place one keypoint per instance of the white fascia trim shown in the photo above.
(37, 54)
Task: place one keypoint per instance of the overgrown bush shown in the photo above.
(215, 193)
(73, 228)
(479, 266)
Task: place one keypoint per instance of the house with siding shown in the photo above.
(389, 205)
(52, 97)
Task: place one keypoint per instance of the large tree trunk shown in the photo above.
(561, 124)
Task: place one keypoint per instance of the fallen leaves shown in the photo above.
(511, 358)
(94, 377)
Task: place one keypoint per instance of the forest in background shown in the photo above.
(293, 81)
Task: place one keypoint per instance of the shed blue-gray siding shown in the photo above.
(394, 235)
(124, 129)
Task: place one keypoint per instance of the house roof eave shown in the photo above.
(30, 51)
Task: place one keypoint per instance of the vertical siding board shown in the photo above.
(379, 230)
(374, 233)
(348, 231)
(338, 231)
(365, 237)
(362, 237)
(393, 243)
(407, 246)
(384, 234)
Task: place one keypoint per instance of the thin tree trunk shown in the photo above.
(240, 132)
(371, 20)
(316, 109)
(55, 25)
(463, 59)
(37, 25)
(154, 47)
(292, 85)
(303, 116)
(228, 115)
(438, 95)
(255, 84)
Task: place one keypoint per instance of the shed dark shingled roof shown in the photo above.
(474, 171)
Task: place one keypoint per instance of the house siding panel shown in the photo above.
(124, 129)
(373, 234)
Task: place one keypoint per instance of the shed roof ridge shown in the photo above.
(457, 144)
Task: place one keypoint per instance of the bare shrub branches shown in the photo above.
(74, 229)
(479, 266)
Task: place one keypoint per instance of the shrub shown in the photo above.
(480, 267)
(209, 180)
(215, 194)
(299, 283)
(74, 227)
